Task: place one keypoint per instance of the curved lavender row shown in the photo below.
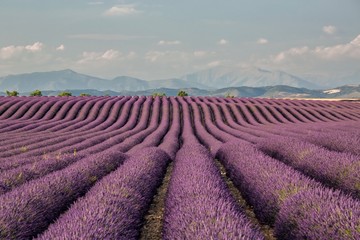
(116, 204)
(213, 123)
(272, 116)
(38, 111)
(300, 115)
(149, 126)
(24, 109)
(245, 119)
(69, 112)
(236, 121)
(245, 113)
(191, 133)
(74, 121)
(170, 142)
(276, 131)
(188, 131)
(258, 114)
(339, 170)
(6, 103)
(68, 118)
(337, 140)
(319, 214)
(152, 136)
(70, 144)
(284, 130)
(224, 122)
(204, 119)
(107, 139)
(107, 123)
(84, 140)
(60, 114)
(79, 117)
(15, 177)
(55, 113)
(96, 116)
(11, 110)
(301, 207)
(198, 204)
(136, 124)
(29, 209)
(265, 182)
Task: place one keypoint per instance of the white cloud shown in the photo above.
(163, 42)
(336, 52)
(329, 29)
(36, 47)
(262, 41)
(121, 10)
(110, 54)
(223, 42)
(348, 50)
(14, 51)
(10, 51)
(99, 56)
(60, 48)
(289, 53)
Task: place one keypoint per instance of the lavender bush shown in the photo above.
(115, 206)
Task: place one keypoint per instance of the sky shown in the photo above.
(161, 39)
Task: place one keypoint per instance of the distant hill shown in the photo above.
(218, 77)
(68, 79)
(55, 80)
(280, 91)
(243, 81)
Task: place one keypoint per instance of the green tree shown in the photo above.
(37, 93)
(12, 93)
(229, 95)
(157, 94)
(182, 93)
(65, 94)
(84, 95)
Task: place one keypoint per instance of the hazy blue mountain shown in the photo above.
(55, 80)
(242, 81)
(134, 84)
(68, 79)
(175, 83)
(280, 91)
(125, 83)
(219, 77)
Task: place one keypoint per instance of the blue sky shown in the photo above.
(166, 38)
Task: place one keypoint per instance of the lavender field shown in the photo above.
(179, 168)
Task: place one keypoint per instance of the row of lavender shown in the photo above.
(139, 129)
(92, 130)
(199, 119)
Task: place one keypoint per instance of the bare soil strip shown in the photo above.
(267, 231)
(153, 221)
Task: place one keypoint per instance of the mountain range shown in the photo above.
(244, 81)
(280, 91)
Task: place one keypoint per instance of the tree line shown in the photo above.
(38, 93)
